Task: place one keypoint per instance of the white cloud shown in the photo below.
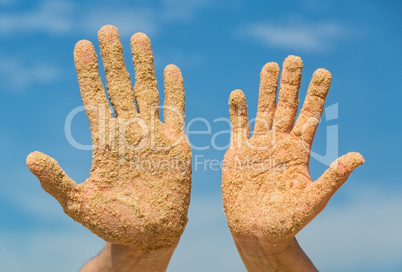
(72, 18)
(49, 16)
(295, 35)
(62, 17)
(182, 9)
(364, 233)
(17, 74)
(6, 2)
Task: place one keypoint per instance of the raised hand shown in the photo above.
(267, 190)
(138, 190)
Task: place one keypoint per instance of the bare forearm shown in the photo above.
(259, 255)
(117, 258)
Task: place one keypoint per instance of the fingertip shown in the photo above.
(172, 71)
(108, 34)
(238, 106)
(140, 44)
(319, 86)
(31, 158)
(139, 35)
(107, 30)
(270, 67)
(84, 53)
(52, 178)
(41, 165)
(359, 158)
(236, 98)
(353, 159)
(35, 160)
(140, 38)
(293, 63)
(173, 79)
(82, 45)
(347, 163)
(321, 76)
(171, 67)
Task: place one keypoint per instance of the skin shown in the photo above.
(268, 194)
(138, 192)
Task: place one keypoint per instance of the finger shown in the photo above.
(288, 101)
(267, 97)
(238, 118)
(173, 110)
(145, 89)
(117, 78)
(336, 175)
(91, 87)
(310, 114)
(52, 178)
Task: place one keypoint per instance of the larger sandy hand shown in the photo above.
(138, 190)
(267, 189)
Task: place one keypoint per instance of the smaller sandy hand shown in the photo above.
(267, 189)
(138, 190)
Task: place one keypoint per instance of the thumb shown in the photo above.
(336, 175)
(52, 178)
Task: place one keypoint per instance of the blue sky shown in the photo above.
(219, 46)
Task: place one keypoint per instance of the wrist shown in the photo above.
(120, 258)
(259, 254)
(252, 245)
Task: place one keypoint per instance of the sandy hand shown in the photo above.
(267, 189)
(138, 190)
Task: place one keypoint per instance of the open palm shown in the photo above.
(138, 191)
(267, 189)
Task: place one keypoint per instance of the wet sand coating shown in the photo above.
(267, 189)
(138, 190)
